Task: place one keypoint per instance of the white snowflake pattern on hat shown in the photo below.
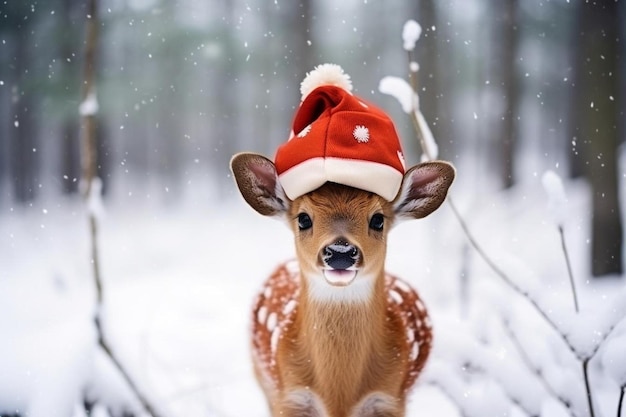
(304, 131)
(361, 134)
(401, 158)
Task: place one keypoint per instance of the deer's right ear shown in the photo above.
(258, 183)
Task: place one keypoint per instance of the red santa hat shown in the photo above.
(340, 138)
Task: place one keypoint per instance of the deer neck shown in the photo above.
(343, 323)
(341, 335)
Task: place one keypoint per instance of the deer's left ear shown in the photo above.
(423, 189)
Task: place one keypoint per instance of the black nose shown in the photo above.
(340, 255)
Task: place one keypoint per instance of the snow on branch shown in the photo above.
(401, 90)
(410, 34)
(582, 332)
(557, 201)
(614, 359)
(89, 106)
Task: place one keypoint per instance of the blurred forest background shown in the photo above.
(511, 88)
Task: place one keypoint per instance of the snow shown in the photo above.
(402, 91)
(410, 34)
(89, 106)
(178, 311)
(399, 89)
(557, 202)
(614, 359)
(94, 199)
(431, 150)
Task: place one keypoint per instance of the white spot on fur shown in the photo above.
(271, 322)
(289, 307)
(415, 350)
(361, 134)
(402, 285)
(261, 315)
(274, 339)
(410, 335)
(395, 295)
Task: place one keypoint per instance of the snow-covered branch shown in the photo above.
(92, 192)
(583, 332)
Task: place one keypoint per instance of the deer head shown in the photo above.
(340, 231)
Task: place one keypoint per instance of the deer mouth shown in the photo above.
(340, 277)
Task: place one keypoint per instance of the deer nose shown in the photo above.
(340, 255)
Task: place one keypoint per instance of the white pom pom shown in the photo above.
(325, 74)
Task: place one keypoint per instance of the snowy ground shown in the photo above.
(179, 282)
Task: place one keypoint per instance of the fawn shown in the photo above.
(333, 334)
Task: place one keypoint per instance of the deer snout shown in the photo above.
(340, 255)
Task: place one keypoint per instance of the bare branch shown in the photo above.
(537, 371)
(587, 387)
(88, 161)
(569, 267)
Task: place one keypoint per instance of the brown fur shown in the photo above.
(340, 352)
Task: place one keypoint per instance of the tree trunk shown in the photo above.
(24, 168)
(507, 22)
(576, 145)
(599, 85)
(70, 146)
(427, 53)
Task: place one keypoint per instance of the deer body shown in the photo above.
(359, 348)
(333, 334)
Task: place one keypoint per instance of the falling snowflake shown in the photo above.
(361, 134)
(304, 131)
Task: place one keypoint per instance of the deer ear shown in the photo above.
(423, 189)
(257, 181)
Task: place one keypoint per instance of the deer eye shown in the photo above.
(377, 222)
(304, 221)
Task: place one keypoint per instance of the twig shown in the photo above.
(468, 233)
(499, 272)
(145, 403)
(413, 81)
(535, 369)
(569, 267)
(412, 74)
(88, 161)
(587, 387)
(466, 230)
(620, 402)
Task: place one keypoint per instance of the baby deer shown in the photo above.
(333, 334)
